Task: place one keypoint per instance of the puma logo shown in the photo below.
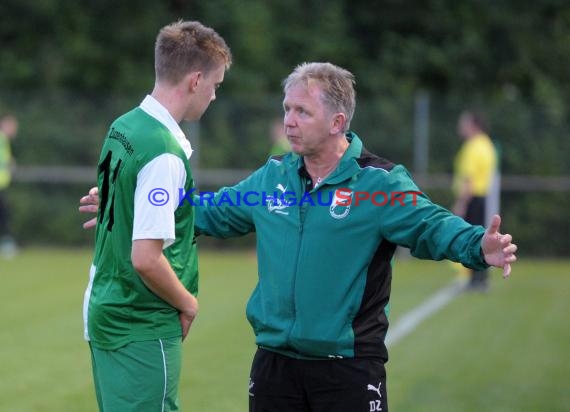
(276, 203)
(375, 389)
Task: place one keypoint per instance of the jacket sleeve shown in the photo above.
(227, 212)
(430, 231)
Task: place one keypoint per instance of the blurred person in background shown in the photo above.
(8, 131)
(474, 176)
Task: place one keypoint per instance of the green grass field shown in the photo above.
(508, 350)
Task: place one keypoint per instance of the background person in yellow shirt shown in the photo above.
(474, 169)
(8, 131)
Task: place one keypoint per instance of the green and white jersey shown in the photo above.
(143, 165)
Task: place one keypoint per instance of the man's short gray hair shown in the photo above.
(336, 84)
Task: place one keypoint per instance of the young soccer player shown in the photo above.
(141, 297)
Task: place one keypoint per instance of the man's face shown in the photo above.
(307, 120)
(205, 92)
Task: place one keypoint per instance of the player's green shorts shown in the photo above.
(141, 376)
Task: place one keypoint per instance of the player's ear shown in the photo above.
(192, 80)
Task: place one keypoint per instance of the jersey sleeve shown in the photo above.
(158, 183)
(427, 229)
(227, 213)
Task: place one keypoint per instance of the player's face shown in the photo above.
(307, 120)
(205, 92)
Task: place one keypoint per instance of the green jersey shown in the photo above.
(139, 153)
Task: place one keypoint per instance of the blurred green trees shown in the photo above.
(481, 48)
(67, 68)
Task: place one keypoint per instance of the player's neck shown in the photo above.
(168, 97)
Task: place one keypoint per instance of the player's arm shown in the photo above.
(157, 274)
(154, 230)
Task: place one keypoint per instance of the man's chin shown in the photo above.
(297, 149)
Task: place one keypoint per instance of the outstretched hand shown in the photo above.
(90, 204)
(497, 248)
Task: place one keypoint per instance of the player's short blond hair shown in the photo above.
(336, 84)
(186, 46)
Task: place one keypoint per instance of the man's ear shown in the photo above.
(192, 80)
(338, 123)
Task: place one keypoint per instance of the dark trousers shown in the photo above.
(282, 384)
(476, 216)
(4, 216)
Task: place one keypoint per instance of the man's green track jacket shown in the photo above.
(325, 253)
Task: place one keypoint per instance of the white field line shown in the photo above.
(410, 321)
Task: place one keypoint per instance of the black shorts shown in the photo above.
(282, 384)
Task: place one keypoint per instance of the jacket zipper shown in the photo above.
(302, 213)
